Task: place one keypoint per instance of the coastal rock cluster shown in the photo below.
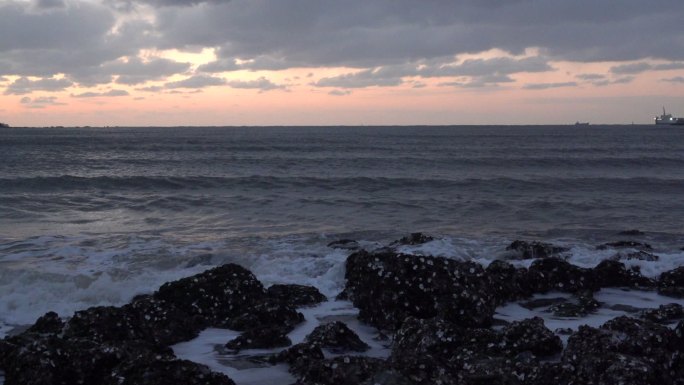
(438, 313)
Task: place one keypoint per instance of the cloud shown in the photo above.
(376, 77)
(50, 4)
(590, 76)
(637, 68)
(544, 86)
(135, 71)
(24, 85)
(261, 84)
(487, 67)
(676, 79)
(480, 81)
(110, 93)
(151, 89)
(339, 92)
(196, 81)
(40, 102)
(607, 82)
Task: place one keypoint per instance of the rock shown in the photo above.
(507, 282)
(48, 323)
(664, 313)
(534, 249)
(299, 357)
(388, 287)
(530, 335)
(387, 377)
(638, 255)
(165, 372)
(337, 337)
(345, 370)
(633, 232)
(161, 322)
(433, 351)
(622, 351)
(610, 273)
(345, 244)
(556, 274)
(413, 239)
(261, 338)
(265, 313)
(543, 302)
(216, 295)
(625, 244)
(296, 295)
(671, 283)
(581, 305)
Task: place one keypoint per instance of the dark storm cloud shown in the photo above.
(365, 34)
(135, 71)
(50, 3)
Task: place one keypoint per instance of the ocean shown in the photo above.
(95, 216)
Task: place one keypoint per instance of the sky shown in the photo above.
(344, 62)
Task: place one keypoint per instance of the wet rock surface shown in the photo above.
(413, 239)
(337, 337)
(129, 344)
(438, 313)
(388, 287)
(296, 295)
(625, 244)
(671, 283)
(533, 250)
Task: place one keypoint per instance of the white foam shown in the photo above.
(202, 349)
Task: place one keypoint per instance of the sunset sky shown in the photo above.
(348, 62)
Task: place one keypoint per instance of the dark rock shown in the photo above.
(161, 322)
(103, 324)
(625, 308)
(165, 372)
(299, 356)
(543, 302)
(337, 337)
(345, 370)
(413, 239)
(216, 295)
(508, 282)
(556, 274)
(389, 287)
(530, 335)
(622, 351)
(625, 245)
(388, 377)
(638, 255)
(433, 351)
(633, 232)
(345, 244)
(664, 313)
(671, 283)
(610, 273)
(534, 249)
(268, 312)
(261, 338)
(581, 305)
(296, 295)
(48, 323)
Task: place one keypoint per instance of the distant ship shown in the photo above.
(4, 125)
(668, 119)
(581, 123)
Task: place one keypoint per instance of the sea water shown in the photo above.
(96, 216)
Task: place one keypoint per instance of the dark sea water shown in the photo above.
(95, 216)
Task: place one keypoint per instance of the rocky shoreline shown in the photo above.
(437, 313)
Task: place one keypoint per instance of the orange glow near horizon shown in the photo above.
(302, 103)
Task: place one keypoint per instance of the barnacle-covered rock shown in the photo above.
(622, 351)
(533, 250)
(507, 282)
(344, 370)
(557, 274)
(260, 338)
(664, 313)
(671, 283)
(530, 335)
(388, 287)
(611, 273)
(337, 337)
(164, 372)
(295, 295)
(413, 239)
